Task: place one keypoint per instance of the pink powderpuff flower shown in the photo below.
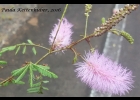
(63, 37)
(103, 75)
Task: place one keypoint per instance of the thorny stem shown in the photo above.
(59, 24)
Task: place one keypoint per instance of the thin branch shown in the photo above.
(59, 25)
(43, 57)
(86, 25)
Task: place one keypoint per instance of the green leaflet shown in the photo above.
(33, 90)
(45, 81)
(45, 72)
(34, 51)
(30, 42)
(5, 49)
(45, 67)
(18, 71)
(17, 50)
(37, 84)
(45, 88)
(22, 74)
(10, 48)
(24, 50)
(20, 82)
(3, 62)
(31, 76)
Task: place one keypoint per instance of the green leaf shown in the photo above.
(74, 59)
(103, 20)
(30, 42)
(45, 88)
(34, 89)
(11, 48)
(18, 71)
(3, 62)
(20, 82)
(24, 50)
(37, 84)
(3, 50)
(45, 81)
(45, 72)
(45, 67)
(17, 50)
(34, 51)
(31, 76)
(22, 74)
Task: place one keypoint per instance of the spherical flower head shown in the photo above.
(63, 37)
(103, 75)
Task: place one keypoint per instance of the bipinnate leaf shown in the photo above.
(45, 72)
(22, 74)
(18, 71)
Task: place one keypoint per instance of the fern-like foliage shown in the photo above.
(9, 48)
(18, 47)
(30, 67)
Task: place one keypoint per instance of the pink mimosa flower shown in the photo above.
(103, 75)
(63, 37)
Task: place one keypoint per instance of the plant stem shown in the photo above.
(43, 57)
(59, 25)
(86, 25)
